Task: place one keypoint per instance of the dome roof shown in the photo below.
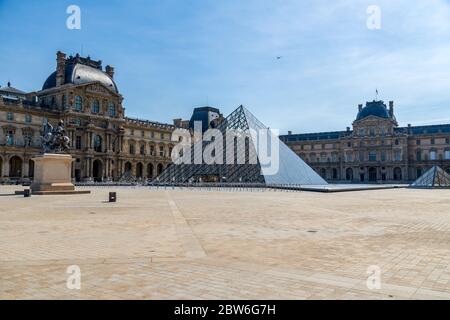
(81, 70)
(374, 108)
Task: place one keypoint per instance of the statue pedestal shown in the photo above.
(52, 175)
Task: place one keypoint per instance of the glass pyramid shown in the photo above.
(436, 177)
(267, 159)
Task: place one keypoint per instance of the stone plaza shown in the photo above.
(165, 243)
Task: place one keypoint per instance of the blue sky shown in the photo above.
(171, 56)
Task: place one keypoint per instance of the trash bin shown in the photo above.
(112, 197)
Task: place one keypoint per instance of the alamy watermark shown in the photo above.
(74, 278)
(374, 280)
(373, 21)
(73, 21)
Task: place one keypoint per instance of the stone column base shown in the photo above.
(52, 175)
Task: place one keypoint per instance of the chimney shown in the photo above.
(110, 71)
(348, 129)
(360, 106)
(289, 132)
(391, 108)
(60, 68)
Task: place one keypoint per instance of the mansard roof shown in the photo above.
(79, 70)
(376, 109)
(315, 136)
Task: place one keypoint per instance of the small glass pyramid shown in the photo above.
(290, 169)
(436, 177)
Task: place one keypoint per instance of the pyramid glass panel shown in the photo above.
(436, 177)
(256, 155)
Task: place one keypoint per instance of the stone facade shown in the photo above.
(377, 150)
(105, 143)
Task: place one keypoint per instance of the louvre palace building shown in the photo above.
(108, 146)
(104, 142)
(376, 150)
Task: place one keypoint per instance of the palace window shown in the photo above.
(397, 142)
(349, 156)
(334, 157)
(142, 133)
(433, 141)
(170, 151)
(447, 154)
(131, 148)
(418, 142)
(361, 156)
(397, 155)
(161, 151)
(162, 136)
(78, 142)
(95, 106)
(419, 155)
(142, 149)
(152, 150)
(447, 140)
(28, 118)
(98, 143)
(361, 132)
(10, 116)
(383, 155)
(433, 155)
(112, 110)
(64, 101)
(372, 156)
(78, 103)
(10, 137)
(372, 132)
(132, 132)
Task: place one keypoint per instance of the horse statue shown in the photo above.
(55, 140)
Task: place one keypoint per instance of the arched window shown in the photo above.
(139, 170)
(397, 174)
(78, 103)
(97, 143)
(95, 106)
(349, 174)
(112, 110)
(159, 168)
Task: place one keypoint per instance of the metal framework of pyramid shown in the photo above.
(436, 177)
(292, 170)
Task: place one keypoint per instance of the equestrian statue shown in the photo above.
(55, 140)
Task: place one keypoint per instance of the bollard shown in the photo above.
(112, 197)
(27, 193)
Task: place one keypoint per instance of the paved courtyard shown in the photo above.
(200, 244)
